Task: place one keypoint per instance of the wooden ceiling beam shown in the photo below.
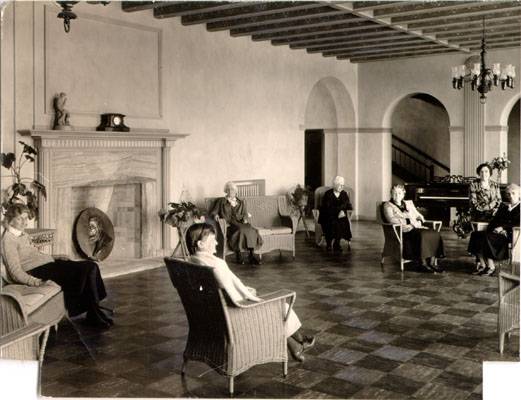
(464, 16)
(491, 42)
(193, 7)
(378, 5)
(131, 6)
(339, 18)
(258, 21)
(489, 37)
(516, 23)
(356, 43)
(361, 26)
(402, 28)
(376, 51)
(247, 11)
(443, 24)
(429, 7)
(329, 37)
(392, 57)
(360, 46)
(499, 46)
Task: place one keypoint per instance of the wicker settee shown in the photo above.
(272, 218)
(229, 337)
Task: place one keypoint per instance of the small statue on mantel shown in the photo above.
(61, 115)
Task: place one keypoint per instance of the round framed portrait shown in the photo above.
(94, 234)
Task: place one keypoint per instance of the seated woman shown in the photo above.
(240, 234)
(80, 281)
(333, 215)
(485, 196)
(492, 244)
(201, 243)
(419, 242)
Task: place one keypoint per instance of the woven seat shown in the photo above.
(19, 338)
(229, 337)
(272, 217)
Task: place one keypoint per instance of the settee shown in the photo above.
(272, 217)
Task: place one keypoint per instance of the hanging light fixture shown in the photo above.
(482, 78)
(67, 14)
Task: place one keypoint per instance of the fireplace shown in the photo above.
(125, 175)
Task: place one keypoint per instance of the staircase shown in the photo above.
(412, 164)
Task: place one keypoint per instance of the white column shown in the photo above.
(474, 131)
(457, 150)
(496, 143)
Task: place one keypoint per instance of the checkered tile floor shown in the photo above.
(380, 334)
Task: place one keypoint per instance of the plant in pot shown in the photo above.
(181, 215)
(298, 199)
(23, 190)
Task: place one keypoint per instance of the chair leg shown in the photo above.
(349, 245)
(183, 367)
(501, 342)
(285, 369)
(230, 384)
(402, 264)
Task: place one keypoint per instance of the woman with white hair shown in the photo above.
(333, 214)
(492, 244)
(419, 242)
(241, 234)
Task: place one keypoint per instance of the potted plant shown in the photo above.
(298, 199)
(180, 215)
(23, 190)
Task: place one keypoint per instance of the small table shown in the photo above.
(181, 250)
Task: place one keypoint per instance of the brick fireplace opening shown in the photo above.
(125, 175)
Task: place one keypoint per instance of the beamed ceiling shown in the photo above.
(359, 31)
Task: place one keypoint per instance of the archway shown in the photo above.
(329, 112)
(420, 138)
(513, 143)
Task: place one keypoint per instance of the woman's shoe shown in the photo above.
(488, 272)
(95, 320)
(296, 350)
(308, 343)
(238, 258)
(254, 260)
(479, 269)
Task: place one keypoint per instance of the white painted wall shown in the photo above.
(243, 103)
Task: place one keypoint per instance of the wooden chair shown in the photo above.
(319, 194)
(229, 337)
(393, 235)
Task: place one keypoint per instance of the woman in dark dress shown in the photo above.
(485, 196)
(492, 245)
(419, 242)
(240, 234)
(333, 215)
(80, 281)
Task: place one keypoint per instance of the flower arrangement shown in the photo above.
(23, 190)
(298, 199)
(183, 213)
(500, 163)
(462, 224)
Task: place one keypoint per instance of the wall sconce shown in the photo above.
(67, 14)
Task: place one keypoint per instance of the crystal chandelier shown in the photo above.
(482, 78)
(67, 14)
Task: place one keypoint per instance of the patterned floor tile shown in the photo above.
(436, 391)
(343, 356)
(419, 373)
(398, 384)
(395, 353)
(359, 375)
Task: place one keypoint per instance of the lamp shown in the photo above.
(67, 14)
(482, 78)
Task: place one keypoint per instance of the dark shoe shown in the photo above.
(96, 321)
(238, 258)
(337, 247)
(437, 269)
(428, 268)
(297, 355)
(309, 342)
(328, 246)
(254, 260)
(479, 269)
(487, 272)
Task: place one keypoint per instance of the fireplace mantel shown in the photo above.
(87, 158)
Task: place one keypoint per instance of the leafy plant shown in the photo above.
(462, 224)
(23, 188)
(500, 163)
(298, 199)
(180, 213)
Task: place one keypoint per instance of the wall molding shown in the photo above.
(46, 96)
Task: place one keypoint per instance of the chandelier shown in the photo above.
(67, 14)
(482, 78)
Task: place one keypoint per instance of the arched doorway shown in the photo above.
(514, 132)
(329, 111)
(420, 139)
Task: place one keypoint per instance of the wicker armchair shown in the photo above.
(319, 193)
(508, 316)
(229, 337)
(19, 339)
(393, 234)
